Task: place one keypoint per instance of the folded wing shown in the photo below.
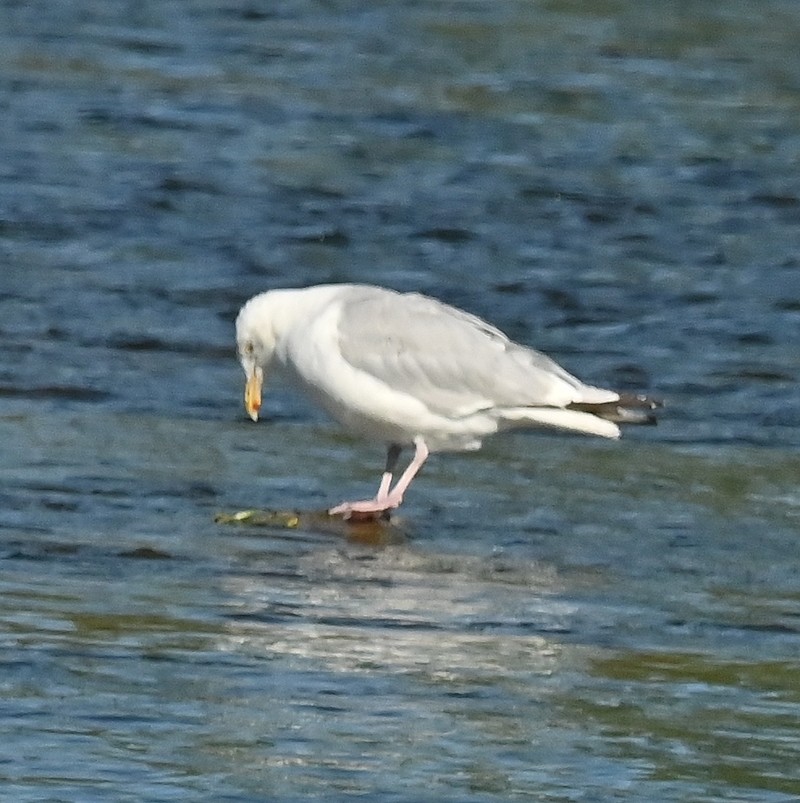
(455, 363)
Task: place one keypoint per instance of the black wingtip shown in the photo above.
(628, 409)
(638, 408)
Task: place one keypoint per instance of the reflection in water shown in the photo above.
(400, 611)
(439, 648)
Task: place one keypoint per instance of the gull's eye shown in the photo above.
(248, 349)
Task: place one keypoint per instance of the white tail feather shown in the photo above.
(518, 417)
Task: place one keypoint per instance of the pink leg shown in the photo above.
(395, 496)
(387, 499)
(392, 456)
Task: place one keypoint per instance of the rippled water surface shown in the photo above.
(554, 618)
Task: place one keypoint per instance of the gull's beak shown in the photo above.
(252, 392)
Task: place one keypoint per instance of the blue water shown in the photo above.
(555, 618)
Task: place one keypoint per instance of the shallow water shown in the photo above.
(565, 619)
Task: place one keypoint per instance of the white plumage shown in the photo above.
(406, 369)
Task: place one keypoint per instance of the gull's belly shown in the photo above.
(369, 409)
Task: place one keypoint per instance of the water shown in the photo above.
(565, 619)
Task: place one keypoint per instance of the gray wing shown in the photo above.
(454, 362)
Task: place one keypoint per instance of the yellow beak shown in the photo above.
(252, 393)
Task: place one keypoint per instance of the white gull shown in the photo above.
(406, 369)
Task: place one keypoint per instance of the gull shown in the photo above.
(408, 370)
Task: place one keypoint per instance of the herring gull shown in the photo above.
(406, 369)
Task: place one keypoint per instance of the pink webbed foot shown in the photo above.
(364, 510)
(386, 499)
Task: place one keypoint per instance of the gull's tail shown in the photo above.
(591, 418)
(628, 409)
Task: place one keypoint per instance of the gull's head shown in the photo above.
(255, 343)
